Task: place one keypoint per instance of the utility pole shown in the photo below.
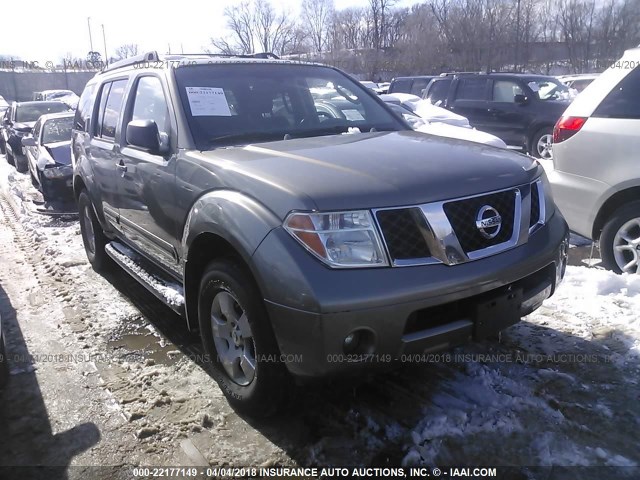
(104, 42)
(90, 39)
(517, 53)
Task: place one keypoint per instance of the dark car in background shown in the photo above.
(48, 154)
(4, 363)
(413, 85)
(19, 123)
(4, 115)
(520, 109)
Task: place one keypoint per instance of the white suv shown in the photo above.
(596, 156)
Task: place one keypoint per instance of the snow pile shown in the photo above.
(430, 112)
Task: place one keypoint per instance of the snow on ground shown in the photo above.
(561, 388)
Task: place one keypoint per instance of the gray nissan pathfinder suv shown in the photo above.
(301, 245)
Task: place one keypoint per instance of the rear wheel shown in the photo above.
(237, 336)
(541, 144)
(10, 159)
(21, 163)
(93, 237)
(620, 240)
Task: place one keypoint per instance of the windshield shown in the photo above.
(243, 103)
(31, 112)
(57, 130)
(550, 89)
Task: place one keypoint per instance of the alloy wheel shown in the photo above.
(233, 338)
(626, 246)
(544, 146)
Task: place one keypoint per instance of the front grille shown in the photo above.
(463, 215)
(535, 205)
(401, 229)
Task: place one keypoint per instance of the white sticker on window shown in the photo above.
(208, 101)
(353, 115)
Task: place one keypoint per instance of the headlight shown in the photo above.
(57, 172)
(339, 239)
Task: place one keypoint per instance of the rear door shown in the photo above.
(471, 100)
(104, 150)
(146, 180)
(507, 119)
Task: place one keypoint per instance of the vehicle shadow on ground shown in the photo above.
(549, 398)
(26, 432)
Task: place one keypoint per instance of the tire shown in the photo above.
(626, 221)
(10, 159)
(21, 163)
(93, 237)
(544, 136)
(3, 147)
(227, 287)
(4, 363)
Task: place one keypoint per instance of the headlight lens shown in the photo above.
(339, 239)
(58, 172)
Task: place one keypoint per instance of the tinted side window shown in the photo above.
(624, 100)
(505, 91)
(472, 89)
(419, 84)
(150, 103)
(439, 91)
(83, 113)
(400, 86)
(110, 108)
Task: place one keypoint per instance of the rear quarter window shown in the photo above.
(624, 100)
(400, 86)
(85, 104)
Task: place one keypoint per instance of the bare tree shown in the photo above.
(256, 25)
(317, 16)
(126, 51)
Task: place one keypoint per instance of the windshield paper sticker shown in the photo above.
(353, 115)
(208, 101)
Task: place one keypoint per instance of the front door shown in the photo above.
(146, 179)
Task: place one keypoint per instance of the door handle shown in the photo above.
(122, 168)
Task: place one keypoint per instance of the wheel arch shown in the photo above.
(221, 224)
(614, 202)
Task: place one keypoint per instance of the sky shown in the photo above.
(50, 30)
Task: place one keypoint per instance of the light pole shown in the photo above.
(90, 39)
(515, 63)
(104, 42)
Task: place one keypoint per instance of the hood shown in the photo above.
(24, 126)
(369, 170)
(60, 152)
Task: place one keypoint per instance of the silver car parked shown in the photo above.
(596, 157)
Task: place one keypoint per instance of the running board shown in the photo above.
(166, 290)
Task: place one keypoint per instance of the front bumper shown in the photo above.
(398, 311)
(58, 188)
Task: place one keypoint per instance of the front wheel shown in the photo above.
(620, 240)
(541, 144)
(93, 237)
(3, 147)
(237, 336)
(21, 163)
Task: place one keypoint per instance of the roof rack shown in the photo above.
(447, 74)
(125, 62)
(265, 55)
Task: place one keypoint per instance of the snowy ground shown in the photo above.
(103, 374)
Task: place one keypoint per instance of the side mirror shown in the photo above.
(28, 142)
(521, 99)
(144, 134)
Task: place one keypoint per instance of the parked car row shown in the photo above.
(35, 137)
